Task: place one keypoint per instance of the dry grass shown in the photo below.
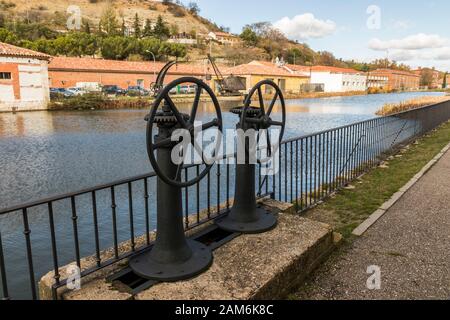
(391, 108)
(93, 10)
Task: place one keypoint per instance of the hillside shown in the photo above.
(39, 25)
(55, 12)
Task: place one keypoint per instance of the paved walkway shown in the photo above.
(410, 243)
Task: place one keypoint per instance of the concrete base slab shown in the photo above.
(263, 266)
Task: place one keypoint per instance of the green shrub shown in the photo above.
(85, 102)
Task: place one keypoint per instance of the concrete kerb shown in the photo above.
(374, 217)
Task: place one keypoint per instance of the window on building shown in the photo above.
(5, 75)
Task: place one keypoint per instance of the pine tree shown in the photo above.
(147, 32)
(137, 26)
(87, 27)
(161, 31)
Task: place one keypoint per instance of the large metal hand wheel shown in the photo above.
(263, 115)
(182, 122)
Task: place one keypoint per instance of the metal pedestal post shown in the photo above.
(247, 216)
(173, 257)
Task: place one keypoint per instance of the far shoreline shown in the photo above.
(122, 103)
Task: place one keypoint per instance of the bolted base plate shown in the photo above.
(147, 268)
(266, 222)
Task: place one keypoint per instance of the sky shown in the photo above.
(413, 32)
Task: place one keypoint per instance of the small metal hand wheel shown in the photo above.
(182, 122)
(263, 119)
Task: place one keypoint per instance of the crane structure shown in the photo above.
(229, 86)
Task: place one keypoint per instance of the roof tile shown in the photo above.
(13, 51)
(91, 64)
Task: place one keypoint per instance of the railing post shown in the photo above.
(3, 272)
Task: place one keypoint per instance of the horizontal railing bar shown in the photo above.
(76, 193)
(360, 122)
(90, 190)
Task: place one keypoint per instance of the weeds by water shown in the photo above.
(391, 108)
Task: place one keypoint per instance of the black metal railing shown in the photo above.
(121, 215)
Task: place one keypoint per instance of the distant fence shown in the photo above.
(50, 233)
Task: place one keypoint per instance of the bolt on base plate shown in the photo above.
(147, 268)
(266, 221)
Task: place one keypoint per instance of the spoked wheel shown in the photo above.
(171, 115)
(262, 116)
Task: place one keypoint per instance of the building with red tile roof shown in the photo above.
(224, 38)
(436, 80)
(256, 71)
(398, 79)
(68, 72)
(23, 79)
(330, 79)
(8, 50)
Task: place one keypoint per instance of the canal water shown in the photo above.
(50, 153)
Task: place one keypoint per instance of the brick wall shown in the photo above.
(13, 68)
(67, 79)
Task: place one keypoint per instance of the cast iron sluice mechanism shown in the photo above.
(247, 216)
(173, 256)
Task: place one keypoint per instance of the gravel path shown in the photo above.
(410, 243)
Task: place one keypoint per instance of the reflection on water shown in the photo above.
(48, 153)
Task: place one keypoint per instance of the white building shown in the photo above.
(333, 79)
(224, 38)
(24, 83)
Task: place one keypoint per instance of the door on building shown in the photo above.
(282, 84)
(268, 89)
(140, 83)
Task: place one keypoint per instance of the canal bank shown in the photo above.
(408, 243)
(48, 153)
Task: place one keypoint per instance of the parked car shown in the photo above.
(137, 91)
(187, 89)
(60, 92)
(89, 86)
(113, 89)
(77, 91)
(173, 91)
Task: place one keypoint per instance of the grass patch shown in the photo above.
(349, 208)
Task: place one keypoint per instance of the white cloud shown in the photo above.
(436, 54)
(305, 26)
(419, 50)
(414, 42)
